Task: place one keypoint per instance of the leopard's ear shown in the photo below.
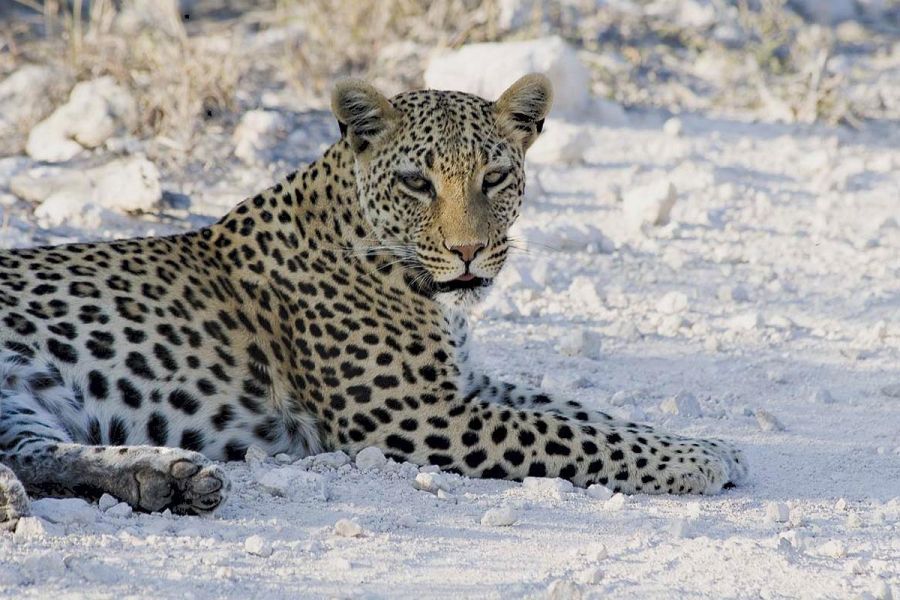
(364, 115)
(522, 108)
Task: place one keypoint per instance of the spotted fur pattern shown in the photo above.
(327, 312)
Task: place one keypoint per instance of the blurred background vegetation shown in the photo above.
(190, 63)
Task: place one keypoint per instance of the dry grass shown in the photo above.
(345, 37)
(182, 81)
(185, 78)
(178, 81)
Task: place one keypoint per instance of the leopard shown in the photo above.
(328, 312)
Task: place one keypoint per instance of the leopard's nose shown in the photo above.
(466, 252)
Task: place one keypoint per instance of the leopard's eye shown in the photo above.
(416, 183)
(493, 179)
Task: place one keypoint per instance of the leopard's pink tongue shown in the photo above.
(466, 277)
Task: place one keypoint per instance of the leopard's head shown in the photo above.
(440, 176)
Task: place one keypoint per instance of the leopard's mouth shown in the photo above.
(463, 282)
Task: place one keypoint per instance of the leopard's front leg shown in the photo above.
(480, 439)
(520, 396)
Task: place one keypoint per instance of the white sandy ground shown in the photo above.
(784, 259)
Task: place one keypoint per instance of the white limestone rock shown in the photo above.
(683, 404)
(489, 69)
(348, 528)
(25, 96)
(64, 511)
(560, 143)
(256, 133)
(125, 185)
(500, 517)
(649, 205)
(96, 111)
(29, 528)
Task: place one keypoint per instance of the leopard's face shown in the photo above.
(440, 177)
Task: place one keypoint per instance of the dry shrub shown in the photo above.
(178, 81)
(345, 37)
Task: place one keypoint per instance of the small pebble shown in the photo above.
(370, 458)
(822, 396)
(617, 502)
(777, 512)
(834, 549)
(892, 390)
(347, 528)
(444, 495)
(106, 502)
(331, 460)
(64, 510)
(649, 205)
(500, 517)
(733, 293)
(599, 492)
(258, 546)
(122, 509)
(432, 482)
(36, 527)
(747, 321)
(777, 376)
(693, 510)
(881, 590)
(590, 576)
(767, 421)
(680, 528)
(683, 404)
(579, 342)
(561, 589)
(549, 486)
(672, 303)
(673, 127)
(792, 539)
(255, 455)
